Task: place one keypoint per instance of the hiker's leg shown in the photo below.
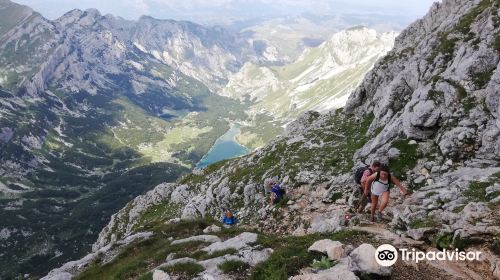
(362, 203)
(385, 201)
(374, 205)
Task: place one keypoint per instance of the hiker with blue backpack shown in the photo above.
(277, 193)
(378, 185)
(360, 177)
(228, 218)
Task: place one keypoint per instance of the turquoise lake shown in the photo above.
(225, 147)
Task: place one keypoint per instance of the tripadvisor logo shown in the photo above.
(387, 255)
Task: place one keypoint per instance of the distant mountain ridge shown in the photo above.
(315, 75)
(321, 79)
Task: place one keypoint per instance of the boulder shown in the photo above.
(181, 260)
(362, 260)
(393, 153)
(253, 257)
(419, 233)
(474, 211)
(210, 265)
(334, 249)
(160, 275)
(326, 223)
(202, 238)
(212, 229)
(419, 117)
(237, 242)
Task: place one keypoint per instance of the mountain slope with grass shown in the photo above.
(95, 110)
(430, 108)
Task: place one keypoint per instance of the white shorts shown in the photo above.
(378, 188)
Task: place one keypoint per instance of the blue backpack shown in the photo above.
(278, 191)
(229, 220)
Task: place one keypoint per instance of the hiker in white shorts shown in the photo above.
(380, 184)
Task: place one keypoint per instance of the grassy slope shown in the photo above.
(137, 259)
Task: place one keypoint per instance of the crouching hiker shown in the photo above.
(380, 184)
(228, 218)
(277, 194)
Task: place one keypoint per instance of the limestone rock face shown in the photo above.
(327, 223)
(123, 226)
(399, 88)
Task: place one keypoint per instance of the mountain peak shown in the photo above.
(12, 13)
(93, 12)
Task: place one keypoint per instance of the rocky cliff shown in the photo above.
(430, 108)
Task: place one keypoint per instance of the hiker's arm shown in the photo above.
(396, 182)
(368, 182)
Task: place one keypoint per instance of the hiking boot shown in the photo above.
(380, 216)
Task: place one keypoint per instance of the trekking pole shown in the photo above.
(360, 202)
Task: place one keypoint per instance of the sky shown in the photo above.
(203, 11)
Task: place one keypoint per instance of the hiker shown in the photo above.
(360, 177)
(269, 183)
(379, 184)
(229, 218)
(277, 194)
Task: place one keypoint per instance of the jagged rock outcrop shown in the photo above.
(441, 72)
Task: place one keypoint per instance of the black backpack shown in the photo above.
(359, 173)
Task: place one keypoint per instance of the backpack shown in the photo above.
(358, 175)
(388, 179)
(278, 191)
